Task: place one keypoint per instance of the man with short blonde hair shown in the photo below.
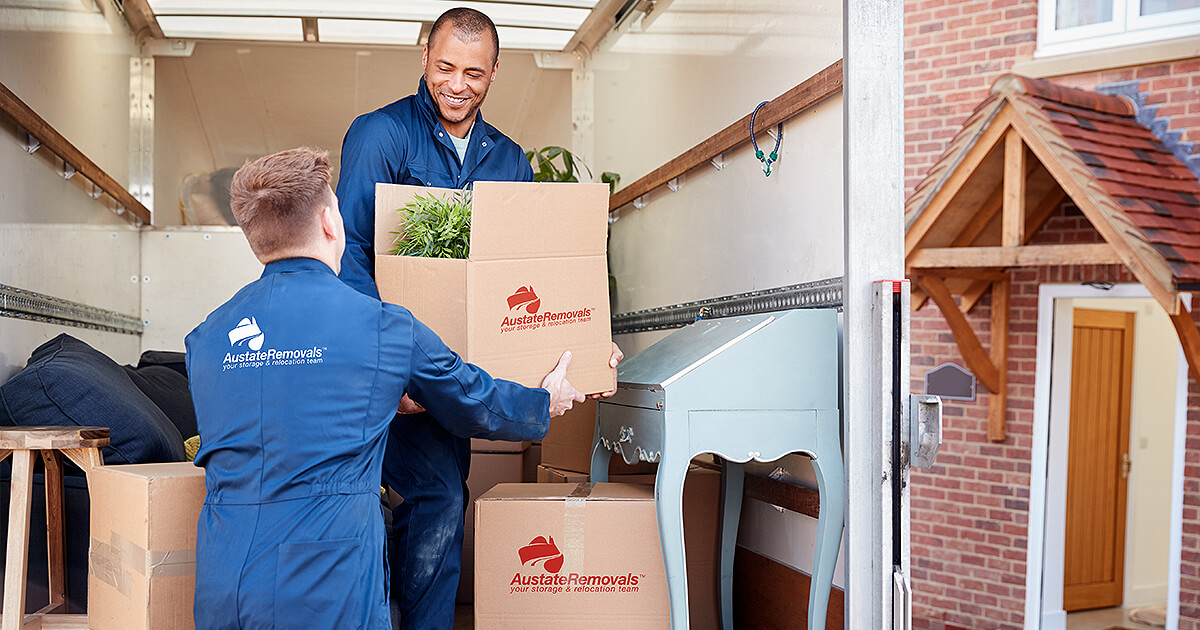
(295, 381)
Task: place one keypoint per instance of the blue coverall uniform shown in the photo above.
(295, 381)
(427, 464)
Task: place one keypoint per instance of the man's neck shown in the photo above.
(310, 252)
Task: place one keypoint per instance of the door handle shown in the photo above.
(1126, 464)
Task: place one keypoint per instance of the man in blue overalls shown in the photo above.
(295, 381)
(436, 137)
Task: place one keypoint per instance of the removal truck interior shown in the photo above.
(164, 116)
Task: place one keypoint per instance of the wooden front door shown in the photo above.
(1097, 460)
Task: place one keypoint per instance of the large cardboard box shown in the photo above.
(566, 555)
(568, 444)
(142, 564)
(480, 445)
(487, 470)
(535, 282)
(546, 474)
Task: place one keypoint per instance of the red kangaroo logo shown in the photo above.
(542, 549)
(525, 296)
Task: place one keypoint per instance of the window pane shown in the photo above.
(1151, 7)
(1071, 13)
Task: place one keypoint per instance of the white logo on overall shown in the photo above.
(247, 331)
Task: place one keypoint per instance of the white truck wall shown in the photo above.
(71, 65)
(732, 230)
(230, 102)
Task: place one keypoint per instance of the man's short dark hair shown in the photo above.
(276, 198)
(469, 25)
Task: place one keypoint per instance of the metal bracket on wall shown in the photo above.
(819, 294)
(719, 162)
(38, 307)
(925, 418)
(32, 144)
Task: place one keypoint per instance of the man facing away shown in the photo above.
(295, 380)
(436, 137)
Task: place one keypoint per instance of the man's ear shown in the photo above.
(425, 58)
(329, 219)
(495, 69)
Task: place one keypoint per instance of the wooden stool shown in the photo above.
(82, 446)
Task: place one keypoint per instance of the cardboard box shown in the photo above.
(535, 283)
(142, 563)
(565, 555)
(480, 445)
(568, 444)
(545, 474)
(487, 470)
(530, 461)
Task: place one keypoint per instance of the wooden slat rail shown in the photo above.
(799, 499)
(60, 146)
(815, 89)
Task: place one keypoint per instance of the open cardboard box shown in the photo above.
(535, 283)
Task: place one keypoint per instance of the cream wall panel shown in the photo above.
(95, 265)
(187, 273)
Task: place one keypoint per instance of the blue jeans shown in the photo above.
(428, 467)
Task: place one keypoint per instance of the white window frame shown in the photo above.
(1127, 27)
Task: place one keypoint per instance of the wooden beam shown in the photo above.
(979, 274)
(998, 401)
(815, 89)
(977, 359)
(963, 171)
(1013, 232)
(595, 26)
(799, 499)
(1189, 338)
(1026, 256)
(1105, 214)
(60, 146)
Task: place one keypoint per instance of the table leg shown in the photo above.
(668, 500)
(600, 459)
(831, 485)
(733, 476)
(55, 562)
(16, 563)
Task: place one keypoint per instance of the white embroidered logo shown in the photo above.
(247, 331)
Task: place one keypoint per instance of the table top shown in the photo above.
(52, 438)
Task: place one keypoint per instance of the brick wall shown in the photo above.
(955, 50)
(970, 513)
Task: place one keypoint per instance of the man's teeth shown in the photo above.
(454, 100)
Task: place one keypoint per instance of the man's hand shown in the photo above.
(616, 358)
(407, 406)
(562, 394)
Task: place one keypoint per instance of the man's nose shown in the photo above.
(458, 82)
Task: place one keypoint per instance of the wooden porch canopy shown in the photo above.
(1027, 148)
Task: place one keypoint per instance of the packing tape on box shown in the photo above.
(126, 553)
(104, 564)
(574, 522)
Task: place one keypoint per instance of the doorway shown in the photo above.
(1092, 345)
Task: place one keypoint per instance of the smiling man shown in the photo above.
(436, 137)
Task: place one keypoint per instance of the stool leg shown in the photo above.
(55, 562)
(16, 563)
(831, 485)
(668, 500)
(733, 476)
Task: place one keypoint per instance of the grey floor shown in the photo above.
(1102, 619)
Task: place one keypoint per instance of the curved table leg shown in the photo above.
(733, 476)
(668, 500)
(600, 456)
(831, 484)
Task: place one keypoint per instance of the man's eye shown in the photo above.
(475, 75)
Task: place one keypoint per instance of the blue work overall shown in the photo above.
(295, 381)
(426, 460)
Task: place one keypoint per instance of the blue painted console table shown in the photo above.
(751, 388)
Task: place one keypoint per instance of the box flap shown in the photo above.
(388, 199)
(167, 470)
(512, 220)
(561, 491)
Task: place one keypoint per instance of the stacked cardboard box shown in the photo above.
(568, 444)
(142, 563)
(582, 555)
